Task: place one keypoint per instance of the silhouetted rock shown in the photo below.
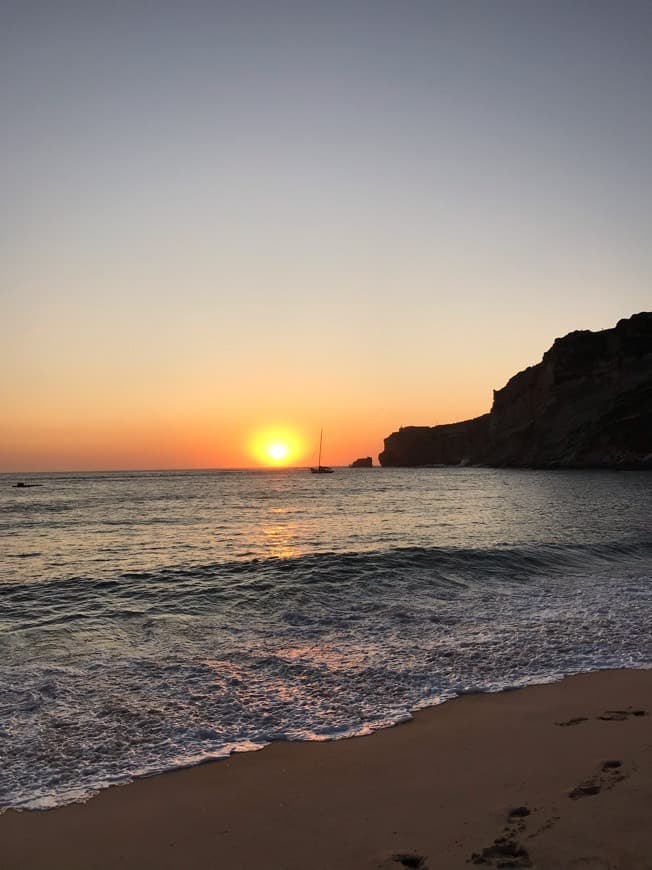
(453, 444)
(365, 462)
(587, 404)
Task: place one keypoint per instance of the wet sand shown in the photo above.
(555, 776)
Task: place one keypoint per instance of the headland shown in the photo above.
(587, 404)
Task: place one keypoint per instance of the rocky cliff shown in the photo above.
(587, 404)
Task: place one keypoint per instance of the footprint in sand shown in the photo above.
(503, 852)
(607, 716)
(609, 775)
(404, 859)
(621, 715)
(576, 721)
(506, 851)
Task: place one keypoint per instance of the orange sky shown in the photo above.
(205, 441)
(99, 392)
(80, 414)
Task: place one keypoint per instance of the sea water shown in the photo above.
(154, 620)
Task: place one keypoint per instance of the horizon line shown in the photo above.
(154, 470)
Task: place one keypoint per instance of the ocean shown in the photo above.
(155, 620)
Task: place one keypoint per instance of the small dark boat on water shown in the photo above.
(319, 468)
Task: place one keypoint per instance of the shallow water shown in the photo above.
(153, 620)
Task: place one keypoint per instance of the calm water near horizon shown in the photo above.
(150, 620)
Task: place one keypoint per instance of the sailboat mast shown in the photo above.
(321, 433)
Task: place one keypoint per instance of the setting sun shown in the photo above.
(277, 450)
(277, 447)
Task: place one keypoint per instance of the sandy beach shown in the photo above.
(553, 776)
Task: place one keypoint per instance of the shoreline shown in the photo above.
(405, 719)
(435, 790)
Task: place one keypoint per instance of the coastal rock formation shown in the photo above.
(365, 462)
(452, 444)
(587, 404)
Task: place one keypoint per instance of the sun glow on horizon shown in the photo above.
(278, 450)
(279, 447)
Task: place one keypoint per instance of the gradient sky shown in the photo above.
(219, 217)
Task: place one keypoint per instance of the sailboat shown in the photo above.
(321, 469)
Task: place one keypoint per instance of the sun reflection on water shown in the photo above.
(279, 541)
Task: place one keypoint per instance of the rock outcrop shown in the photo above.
(587, 404)
(453, 444)
(365, 462)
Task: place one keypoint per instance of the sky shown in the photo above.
(228, 223)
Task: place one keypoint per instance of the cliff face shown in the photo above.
(454, 444)
(588, 403)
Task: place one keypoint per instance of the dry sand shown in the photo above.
(542, 777)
